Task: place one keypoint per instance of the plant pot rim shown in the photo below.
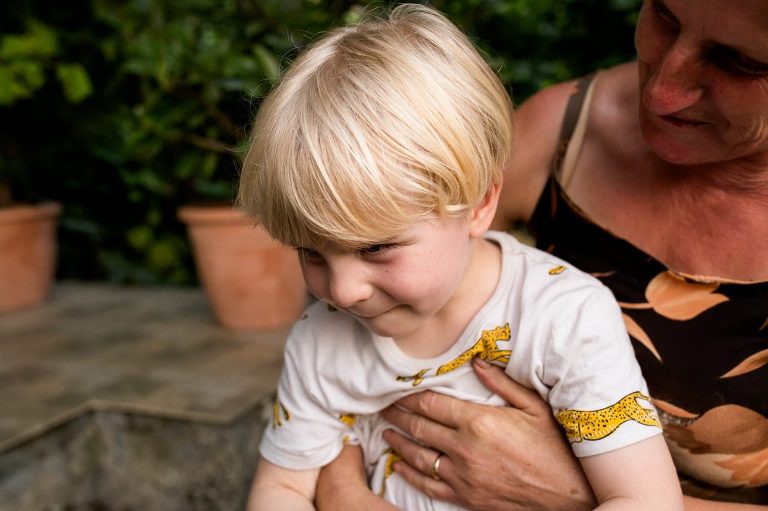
(214, 214)
(29, 212)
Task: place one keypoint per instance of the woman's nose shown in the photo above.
(675, 84)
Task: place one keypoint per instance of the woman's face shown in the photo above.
(704, 79)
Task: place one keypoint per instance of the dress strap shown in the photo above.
(572, 130)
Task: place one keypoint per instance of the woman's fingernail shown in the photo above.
(482, 364)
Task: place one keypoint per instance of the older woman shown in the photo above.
(660, 189)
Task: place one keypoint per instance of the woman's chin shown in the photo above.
(672, 150)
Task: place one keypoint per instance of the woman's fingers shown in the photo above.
(497, 381)
(418, 463)
(438, 407)
(416, 416)
(519, 448)
(419, 457)
(434, 488)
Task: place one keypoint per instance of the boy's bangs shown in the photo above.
(314, 208)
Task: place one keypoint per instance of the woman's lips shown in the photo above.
(680, 122)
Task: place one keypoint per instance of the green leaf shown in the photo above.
(75, 81)
(20, 79)
(267, 62)
(38, 41)
(162, 255)
(139, 237)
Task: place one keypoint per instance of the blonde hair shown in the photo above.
(374, 127)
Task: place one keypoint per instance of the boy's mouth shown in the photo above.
(368, 315)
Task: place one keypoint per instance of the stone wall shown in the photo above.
(107, 460)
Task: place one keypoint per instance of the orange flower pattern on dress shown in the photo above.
(749, 364)
(673, 297)
(639, 334)
(751, 469)
(702, 346)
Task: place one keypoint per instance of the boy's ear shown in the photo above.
(483, 213)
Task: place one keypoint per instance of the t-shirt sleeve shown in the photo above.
(303, 432)
(597, 391)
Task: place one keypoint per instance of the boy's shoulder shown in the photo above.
(533, 274)
(539, 265)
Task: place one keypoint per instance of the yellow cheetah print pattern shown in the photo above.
(279, 413)
(348, 418)
(415, 378)
(486, 348)
(389, 468)
(596, 424)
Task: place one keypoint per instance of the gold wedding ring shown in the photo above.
(436, 467)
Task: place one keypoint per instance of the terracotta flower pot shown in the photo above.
(252, 281)
(28, 251)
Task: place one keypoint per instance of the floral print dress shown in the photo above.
(702, 344)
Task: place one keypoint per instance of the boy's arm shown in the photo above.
(639, 476)
(279, 488)
(342, 485)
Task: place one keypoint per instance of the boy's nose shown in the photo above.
(675, 83)
(348, 286)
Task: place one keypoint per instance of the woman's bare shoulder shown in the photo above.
(615, 104)
(537, 131)
(537, 127)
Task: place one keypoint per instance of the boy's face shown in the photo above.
(396, 287)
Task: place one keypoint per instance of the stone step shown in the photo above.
(130, 398)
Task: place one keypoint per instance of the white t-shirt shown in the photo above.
(556, 329)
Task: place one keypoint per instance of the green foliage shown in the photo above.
(124, 110)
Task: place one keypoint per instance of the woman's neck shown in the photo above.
(712, 220)
(747, 179)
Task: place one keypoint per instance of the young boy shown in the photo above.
(378, 156)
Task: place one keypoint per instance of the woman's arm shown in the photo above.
(279, 488)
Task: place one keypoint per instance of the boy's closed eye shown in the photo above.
(377, 248)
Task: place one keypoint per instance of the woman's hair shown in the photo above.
(374, 127)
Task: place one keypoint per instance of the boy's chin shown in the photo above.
(385, 327)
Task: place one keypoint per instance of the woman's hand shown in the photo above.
(342, 485)
(506, 458)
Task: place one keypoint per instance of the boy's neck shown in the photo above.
(477, 286)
